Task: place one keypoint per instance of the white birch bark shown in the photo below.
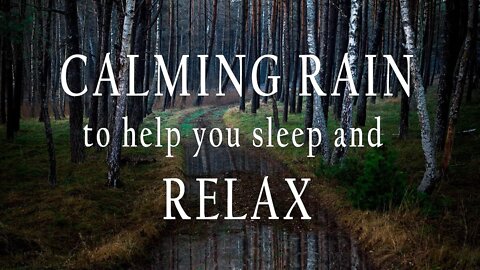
(318, 116)
(429, 177)
(114, 157)
(347, 107)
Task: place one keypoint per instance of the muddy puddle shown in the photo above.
(248, 244)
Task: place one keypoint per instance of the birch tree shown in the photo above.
(270, 68)
(429, 177)
(318, 116)
(114, 156)
(347, 108)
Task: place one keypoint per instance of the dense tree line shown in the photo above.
(38, 35)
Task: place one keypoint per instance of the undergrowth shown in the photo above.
(400, 227)
(80, 223)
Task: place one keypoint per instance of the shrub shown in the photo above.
(345, 173)
(372, 180)
(380, 185)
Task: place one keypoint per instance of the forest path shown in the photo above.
(252, 244)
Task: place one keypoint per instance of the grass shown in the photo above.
(438, 232)
(83, 224)
(80, 223)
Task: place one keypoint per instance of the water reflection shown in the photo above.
(315, 244)
(216, 161)
(257, 246)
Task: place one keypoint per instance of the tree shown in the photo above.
(158, 41)
(342, 47)
(254, 49)
(318, 120)
(99, 110)
(373, 49)
(347, 108)
(77, 151)
(135, 104)
(171, 51)
(463, 64)
(7, 75)
(323, 43)
(19, 67)
(286, 59)
(46, 76)
(115, 149)
(331, 46)
(296, 60)
(452, 41)
(210, 45)
(429, 177)
(243, 48)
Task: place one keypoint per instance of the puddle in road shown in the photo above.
(247, 244)
(238, 245)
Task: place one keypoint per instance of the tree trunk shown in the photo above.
(7, 76)
(148, 56)
(347, 109)
(429, 178)
(318, 120)
(115, 149)
(55, 82)
(93, 119)
(453, 38)
(325, 8)
(135, 104)
(303, 49)
(463, 64)
(120, 14)
(404, 113)
(190, 49)
(271, 46)
(243, 49)
(171, 54)
(286, 60)
(211, 41)
(77, 150)
(296, 61)
(46, 76)
(103, 108)
(372, 50)
(19, 73)
(363, 46)
(3, 113)
(158, 43)
(254, 51)
(342, 43)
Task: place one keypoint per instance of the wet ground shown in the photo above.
(246, 244)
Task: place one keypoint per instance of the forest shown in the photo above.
(67, 65)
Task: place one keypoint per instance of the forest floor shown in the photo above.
(81, 223)
(438, 232)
